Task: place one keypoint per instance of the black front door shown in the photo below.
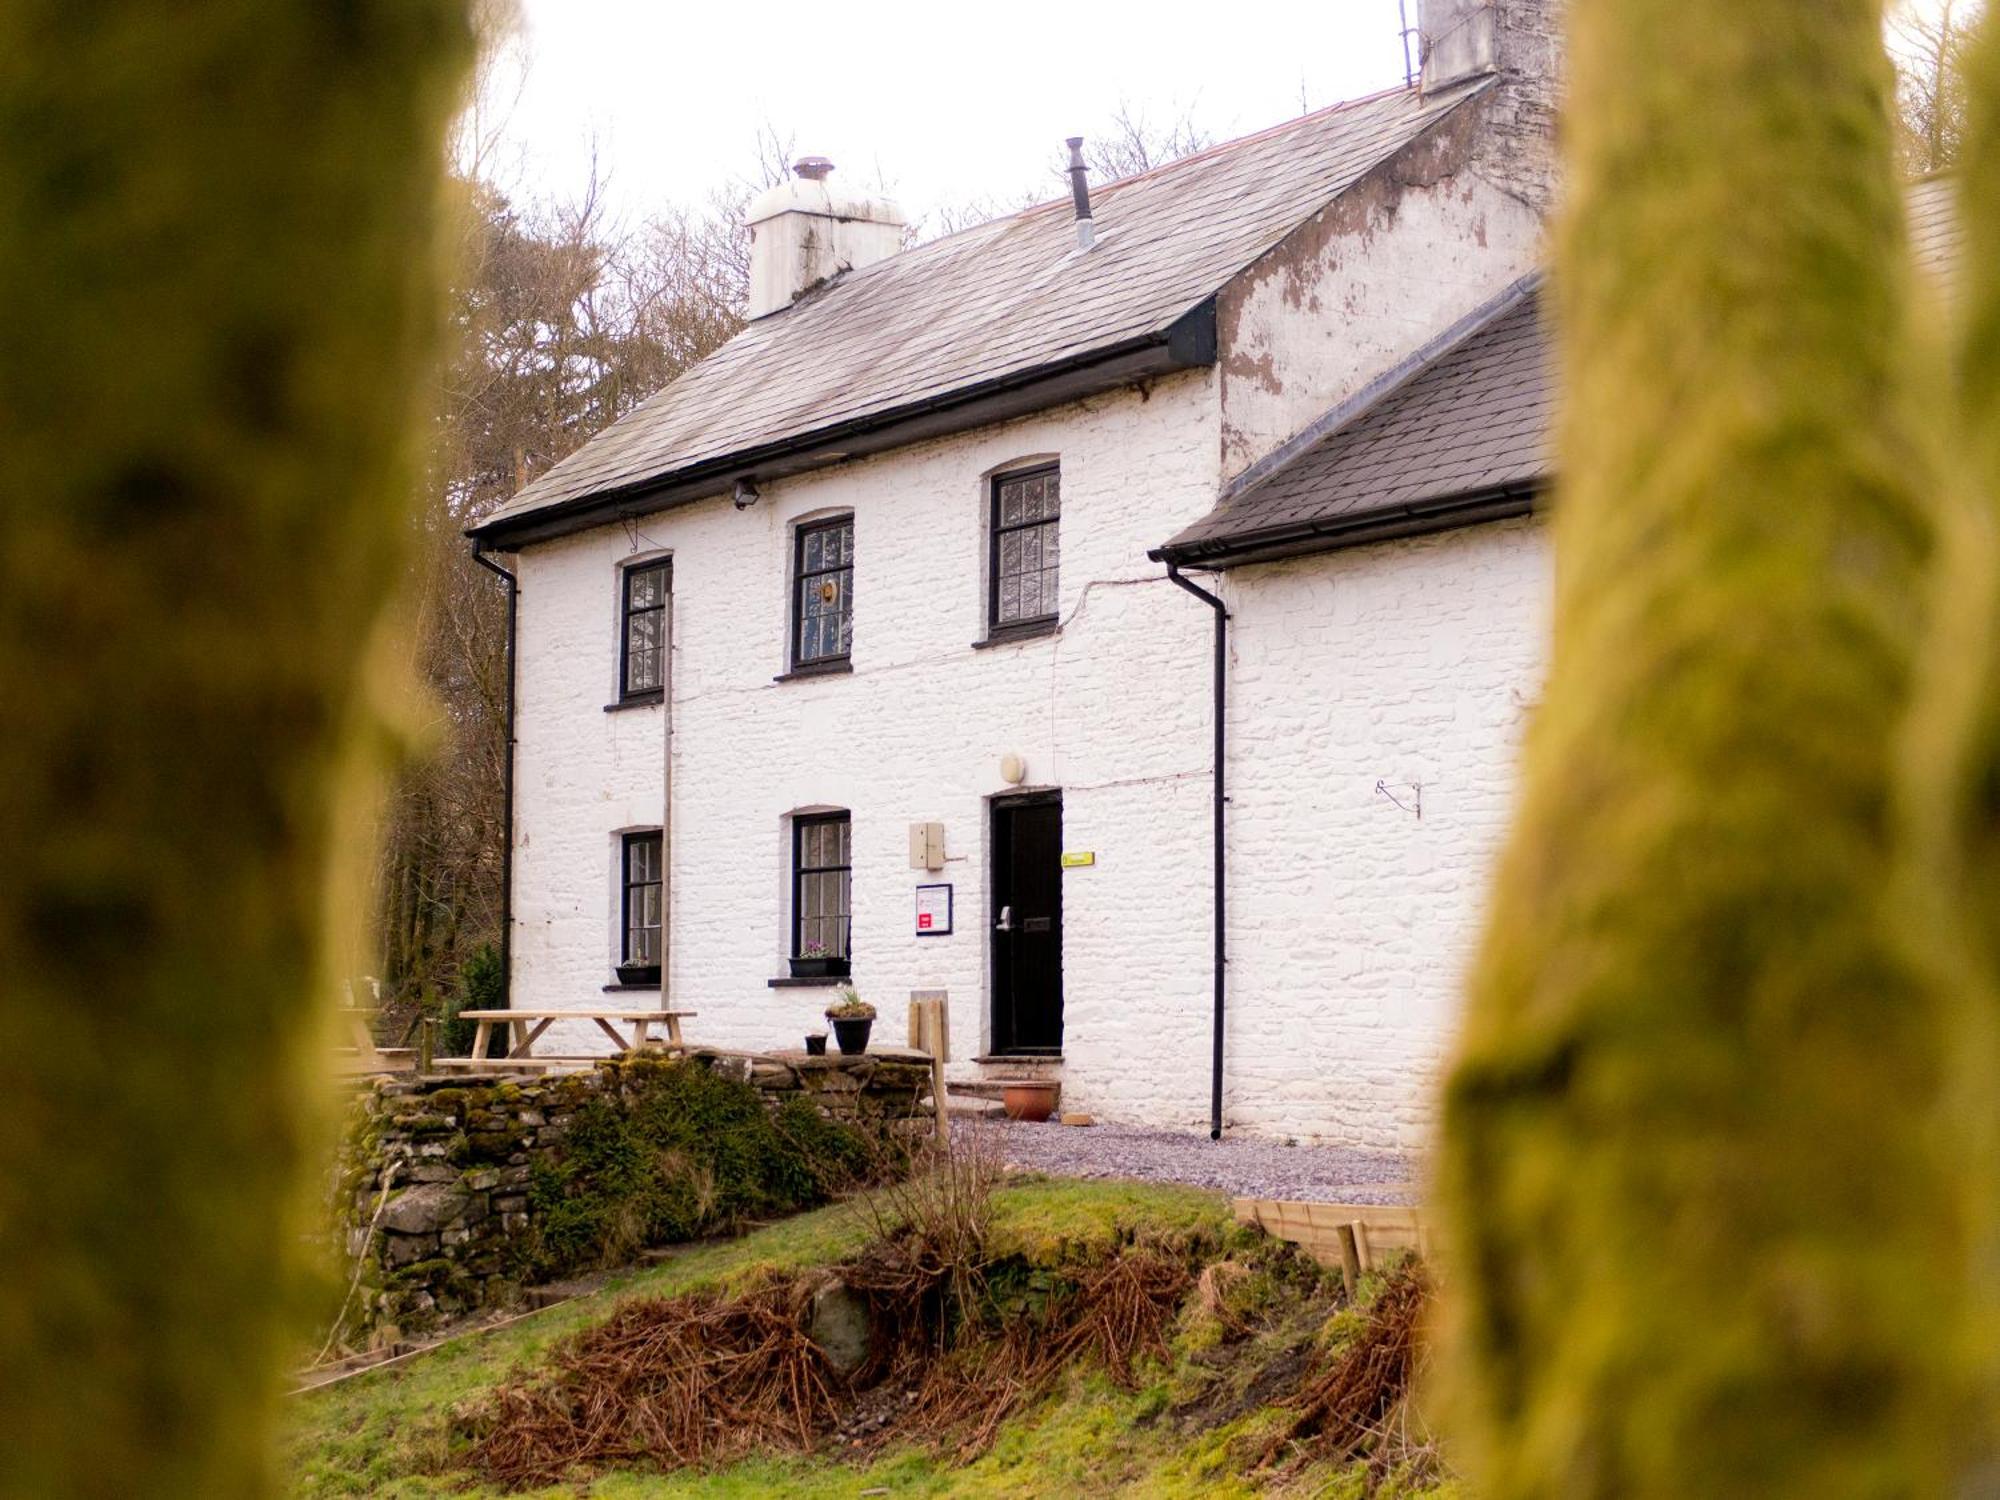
(1027, 924)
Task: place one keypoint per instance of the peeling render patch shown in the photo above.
(1411, 247)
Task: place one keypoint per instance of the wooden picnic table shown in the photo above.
(360, 1055)
(528, 1026)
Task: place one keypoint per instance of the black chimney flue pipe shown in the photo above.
(1079, 190)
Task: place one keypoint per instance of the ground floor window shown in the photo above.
(822, 893)
(642, 898)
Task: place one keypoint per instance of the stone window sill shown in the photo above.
(842, 668)
(638, 700)
(807, 982)
(615, 987)
(1010, 635)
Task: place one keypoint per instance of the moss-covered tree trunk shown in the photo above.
(217, 249)
(1708, 1237)
(1957, 746)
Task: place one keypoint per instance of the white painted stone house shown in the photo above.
(899, 555)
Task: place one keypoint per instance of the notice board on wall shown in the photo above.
(933, 910)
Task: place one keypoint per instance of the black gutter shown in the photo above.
(1187, 343)
(506, 780)
(1358, 529)
(1221, 869)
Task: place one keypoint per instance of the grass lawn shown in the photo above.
(387, 1433)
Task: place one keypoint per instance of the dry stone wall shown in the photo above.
(455, 1194)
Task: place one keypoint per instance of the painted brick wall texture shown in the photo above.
(1352, 920)
(1407, 662)
(1410, 663)
(1114, 710)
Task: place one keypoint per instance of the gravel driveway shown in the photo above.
(1242, 1167)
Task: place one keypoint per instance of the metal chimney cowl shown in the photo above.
(805, 231)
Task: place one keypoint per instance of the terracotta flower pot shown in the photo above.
(1030, 1101)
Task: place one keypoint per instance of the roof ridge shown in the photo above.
(1266, 133)
(1061, 200)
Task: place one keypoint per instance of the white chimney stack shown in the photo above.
(1519, 42)
(802, 232)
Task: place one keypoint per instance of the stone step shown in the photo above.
(960, 1107)
(974, 1088)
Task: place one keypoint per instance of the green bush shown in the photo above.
(481, 986)
(678, 1154)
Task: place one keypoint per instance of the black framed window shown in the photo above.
(822, 891)
(1027, 509)
(642, 899)
(642, 667)
(823, 593)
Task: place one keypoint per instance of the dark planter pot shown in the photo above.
(851, 1035)
(638, 973)
(819, 968)
(815, 1044)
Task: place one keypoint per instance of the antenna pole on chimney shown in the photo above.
(1409, 62)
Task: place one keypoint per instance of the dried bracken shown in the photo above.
(1342, 1413)
(683, 1380)
(700, 1379)
(1114, 1314)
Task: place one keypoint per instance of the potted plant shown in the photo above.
(851, 1017)
(817, 961)
(638, 973)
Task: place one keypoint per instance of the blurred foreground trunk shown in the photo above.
(1708, 1221)
(218, 241)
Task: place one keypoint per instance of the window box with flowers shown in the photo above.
(815, 961)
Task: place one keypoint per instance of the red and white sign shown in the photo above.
(933, 910)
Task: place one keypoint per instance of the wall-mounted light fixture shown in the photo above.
(1013, 770)
(747, 493)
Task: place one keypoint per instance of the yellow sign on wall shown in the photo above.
(1076, 859)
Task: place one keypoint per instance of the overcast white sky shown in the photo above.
(941, 103)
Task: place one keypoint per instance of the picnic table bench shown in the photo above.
(528, 1026)
(359, 1054)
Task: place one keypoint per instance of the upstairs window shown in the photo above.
(1026, 512)
(823, 596)
(642, 899)
(822, 893)
(642, 671)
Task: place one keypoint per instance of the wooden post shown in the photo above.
(427, 1039)
(1350, 1260)
(930, 1031)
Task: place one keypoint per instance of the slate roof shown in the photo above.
(1460, 433)
(1472, 418)
(995, 302)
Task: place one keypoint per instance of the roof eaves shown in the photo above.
(1188, 342)
(1355, 529)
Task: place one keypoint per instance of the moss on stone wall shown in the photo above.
(490, 1186)
(678, 1153)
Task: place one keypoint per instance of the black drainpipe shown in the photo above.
(1221, 799)
(506, 781)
